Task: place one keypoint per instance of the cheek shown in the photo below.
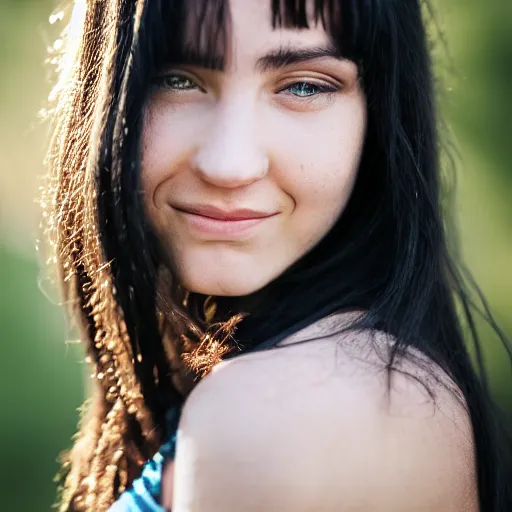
(153, 154)
(165, 150)
(317, 163)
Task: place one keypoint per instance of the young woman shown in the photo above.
(246, 193)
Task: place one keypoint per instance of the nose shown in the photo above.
(230, 154)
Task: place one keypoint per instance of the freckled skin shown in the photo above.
(245, 141)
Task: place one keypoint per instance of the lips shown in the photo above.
(216, 213)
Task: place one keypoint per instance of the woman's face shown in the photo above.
(245, 170)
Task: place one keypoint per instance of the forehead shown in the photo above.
(230, 32)
(251, 27)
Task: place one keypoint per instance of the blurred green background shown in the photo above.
(42, 376)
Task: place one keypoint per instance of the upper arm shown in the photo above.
(273, 433)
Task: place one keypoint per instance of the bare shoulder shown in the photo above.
(311, 427)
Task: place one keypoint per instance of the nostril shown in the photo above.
(231, 162)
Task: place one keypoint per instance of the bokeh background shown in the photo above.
(42, 373)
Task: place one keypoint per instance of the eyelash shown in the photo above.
(163, 82)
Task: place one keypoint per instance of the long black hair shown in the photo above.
(386, 255)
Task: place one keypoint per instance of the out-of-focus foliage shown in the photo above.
(474, 67)
(41, 387)
(42, 377)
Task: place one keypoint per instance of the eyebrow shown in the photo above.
(271, 61)
(288, 56)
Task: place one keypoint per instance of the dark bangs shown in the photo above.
(197, 32)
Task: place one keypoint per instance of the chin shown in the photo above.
(225, 286)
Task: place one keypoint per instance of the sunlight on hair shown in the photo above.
(213, 347)
(69, 41)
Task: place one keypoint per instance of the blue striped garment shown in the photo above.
(144, 494)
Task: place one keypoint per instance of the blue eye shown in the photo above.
(308, 89)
